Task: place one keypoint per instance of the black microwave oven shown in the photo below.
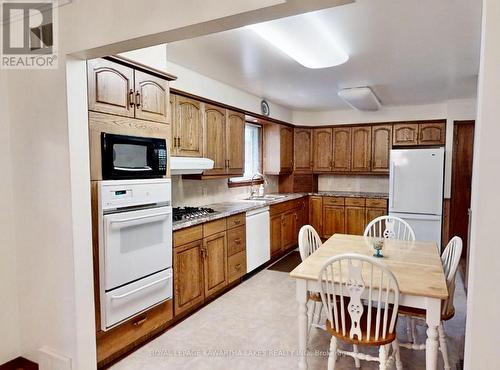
(132, 157)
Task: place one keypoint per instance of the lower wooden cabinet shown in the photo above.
(275, 224)
(355, 220)
(333, 220)
(237, 265)
(316, 213)
(288, 237)
(214, 254)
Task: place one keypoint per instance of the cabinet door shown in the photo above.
(151, 98)
(275, 235)
(188, 277)
(235, 143)
(333, 220)
(215, 262)
(361, 149)
(373, 213)
(288, 221)
(303, 153)
(286, 149)
(322, 150)
(432, 133)
(188, 127)
(355, 220)
(110, 87)
(405, 134)
(381, 148)
(341, 149)
(215, 139)
(316, 213)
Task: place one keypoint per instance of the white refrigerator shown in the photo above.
(416, 190)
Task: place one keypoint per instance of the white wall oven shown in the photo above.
(135, 247)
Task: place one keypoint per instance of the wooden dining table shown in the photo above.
(416, 265)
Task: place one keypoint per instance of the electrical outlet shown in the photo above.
(51, 360)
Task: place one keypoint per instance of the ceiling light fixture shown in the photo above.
(361, 98)
(304, 38)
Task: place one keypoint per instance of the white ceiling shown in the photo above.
(409, 52)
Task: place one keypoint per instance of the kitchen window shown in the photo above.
(253, 156)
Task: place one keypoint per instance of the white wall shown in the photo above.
(195, 83)
(9, 309)
(483, 321)
(460, 109)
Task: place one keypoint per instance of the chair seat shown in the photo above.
(389, 337)
(420, 313)
(314, 297)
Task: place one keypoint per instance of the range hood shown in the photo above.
(189, 165)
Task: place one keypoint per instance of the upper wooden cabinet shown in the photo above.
(215, 139)
(341, 141)
(122, 90)
(278, 149)
(419, 133)
(361, 149)
(322, 149)
(151, 98)
(381, 148)
(187, 128)
(303, 150)
(235, 143)
(432, 133)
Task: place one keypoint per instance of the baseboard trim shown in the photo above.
(19, 363)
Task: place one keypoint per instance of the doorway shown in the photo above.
(461, 179)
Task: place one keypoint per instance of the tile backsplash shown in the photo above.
(202, 192)
(374, 184)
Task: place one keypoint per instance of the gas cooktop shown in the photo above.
(191, 213)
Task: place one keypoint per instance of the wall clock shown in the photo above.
(264, 108)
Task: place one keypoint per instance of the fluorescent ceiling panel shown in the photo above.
(360, 98)
(305, 38)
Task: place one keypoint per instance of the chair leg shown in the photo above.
(443, 346)
(356, 360)
(397, 355)
(382, 357)
(332, 358)
(311, 318)
(318, 314)
(408, 329)
(413, 330)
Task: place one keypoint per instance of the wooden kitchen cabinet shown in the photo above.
(189, 286)
(215, 139)
(432, 133)
(355, 220)
(278, 149)
(405, 134)
(333, 220)
(381, 148)
(275, 225)
(361, 149)
(322, 149)
(316, 213)
(110, 87)
(235, 143)
(303, 150)
(288, 228)
(151, 98)
(214, 253)
(341, 142)
(187, 128)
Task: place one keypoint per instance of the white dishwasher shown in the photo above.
(258, 238)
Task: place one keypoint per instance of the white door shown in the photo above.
(426, 227)
(136, 244)
(416, 181)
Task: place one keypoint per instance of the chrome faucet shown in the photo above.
(252, 190)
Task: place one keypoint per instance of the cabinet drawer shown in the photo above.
(214, 227)
(357, 202)
(112, 343)
(237, 265)
(376, 203)
(236, 220)
(188, 235)
(333, 201)
(236, 240)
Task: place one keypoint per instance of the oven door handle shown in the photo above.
(130, 219)
(138, 169)
(124, 295)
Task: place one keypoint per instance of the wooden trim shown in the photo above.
(440, 120)
(140, 67)
(236, 184)
(19, 363)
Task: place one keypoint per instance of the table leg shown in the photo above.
(302, 320)
(432, 319)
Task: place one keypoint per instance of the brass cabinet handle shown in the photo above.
(131, 98)
(137, 99)
(178, 141)
(140, 322)
(237, 241)
(237, 222)
(238, 266)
